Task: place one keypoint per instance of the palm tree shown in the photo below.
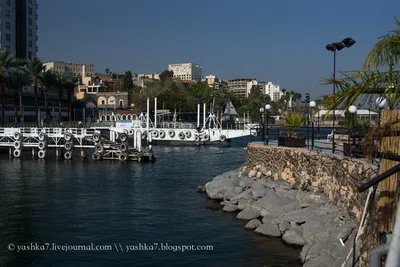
(7, 60)
(64, 82)
(35, 67)
(386, 52)
(48, 79)
(70, 87)
(16, 80)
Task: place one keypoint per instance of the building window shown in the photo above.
(37, 38)
(30, 21)
(30, 32)
(7, 13)
(8, 37)
(30, 43)
(8, 2)
(30, 54)
(30, 11)
(103, 102)
(8, 25)
(37, 48)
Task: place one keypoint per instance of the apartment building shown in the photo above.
(73, 69)
(241, 87)
(273, 90)
(153, 76)
(186, 71)
(213, 81)
(18, 27)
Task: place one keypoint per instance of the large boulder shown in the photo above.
(216, 189)
(253, 224)
(294, 236)
(230, 208)
(258, 189)
(232, 192)
(246, 182)
(243, 195)
(244, 203)
(272, 204)
(268, 229)
(248, 214)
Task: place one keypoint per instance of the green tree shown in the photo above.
(35, 67)
(166, 74)
(16, 80)
(48, 79)
(64, 82)
(128, 81)
(7, 61)
(107, 70)
(293, 121)
(253, 103)
(119, 86)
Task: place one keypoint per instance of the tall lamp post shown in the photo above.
(380, 104)
(267, 108)
(347, 42)
(263, 125)
(353, 112)
(312, 106)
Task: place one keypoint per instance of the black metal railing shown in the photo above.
(318, 138)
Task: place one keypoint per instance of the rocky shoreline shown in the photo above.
(301, 215)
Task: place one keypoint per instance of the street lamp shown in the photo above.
(353, 110)
(380, 104)
(347, 42)
(312, 106)
(267, 108)
(263, 123)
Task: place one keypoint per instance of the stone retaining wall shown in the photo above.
(337, 176)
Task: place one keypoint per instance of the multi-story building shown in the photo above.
(98, 90)
(75, 70)
(18, 30)
(241, 87)
(212, 81)
(186, 71)
(153, 76)
(273, 90)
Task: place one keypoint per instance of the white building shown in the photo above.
(83, 70)
(186, 71)
(18, 27)
(273, 90)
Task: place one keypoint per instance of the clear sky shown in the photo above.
(281, 41)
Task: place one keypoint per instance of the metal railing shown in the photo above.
(319, 139)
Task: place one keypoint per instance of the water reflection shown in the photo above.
(79, 202)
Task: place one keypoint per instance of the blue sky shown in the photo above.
(281, 41)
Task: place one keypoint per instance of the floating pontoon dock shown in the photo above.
(110, 143)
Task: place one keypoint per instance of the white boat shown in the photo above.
(209, 131)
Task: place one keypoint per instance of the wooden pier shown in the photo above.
(108, 144)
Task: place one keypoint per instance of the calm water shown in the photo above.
(82, 202)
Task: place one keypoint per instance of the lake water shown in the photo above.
(126, 203)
